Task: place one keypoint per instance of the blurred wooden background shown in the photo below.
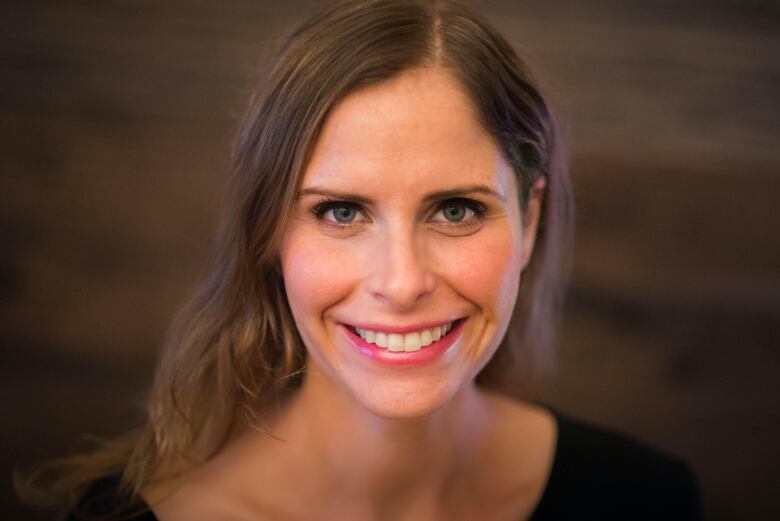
(116, 122)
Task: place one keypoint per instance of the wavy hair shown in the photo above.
(234, 347)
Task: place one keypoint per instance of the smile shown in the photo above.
(408, 342)
(405, 346)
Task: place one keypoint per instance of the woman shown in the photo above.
(387, 276)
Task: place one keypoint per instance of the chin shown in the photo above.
(405, 400)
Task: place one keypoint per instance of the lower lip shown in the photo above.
(422, 356)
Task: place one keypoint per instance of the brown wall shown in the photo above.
(116, 123)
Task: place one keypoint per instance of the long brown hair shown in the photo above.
(234, 346)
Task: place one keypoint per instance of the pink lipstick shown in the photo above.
(422, 356)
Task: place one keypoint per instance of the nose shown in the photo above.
(400, 274)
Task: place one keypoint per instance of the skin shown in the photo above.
(365, 441)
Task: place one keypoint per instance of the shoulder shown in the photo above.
(604, 474)
(104, 501)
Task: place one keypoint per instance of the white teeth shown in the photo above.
(409, 342)
(412, 342)
(395, 342)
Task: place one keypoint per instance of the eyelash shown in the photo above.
(325, 205)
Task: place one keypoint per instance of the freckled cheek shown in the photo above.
(484, 269)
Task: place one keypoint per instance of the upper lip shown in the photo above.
(399, 329)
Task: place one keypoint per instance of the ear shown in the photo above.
(531, 218)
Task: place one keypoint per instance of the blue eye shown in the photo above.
(454, 211)
(344, 214)
(459, 210)
(337, 212)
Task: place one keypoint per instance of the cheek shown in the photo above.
(486, 269)
(316, 275)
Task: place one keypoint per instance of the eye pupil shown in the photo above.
(344, 214)
(455, 212)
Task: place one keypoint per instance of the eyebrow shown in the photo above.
(433, 196)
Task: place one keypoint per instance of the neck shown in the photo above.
(380, 461)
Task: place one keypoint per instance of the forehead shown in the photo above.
(419, 128)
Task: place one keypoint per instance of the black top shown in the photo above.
(600, 474)
(596, 474)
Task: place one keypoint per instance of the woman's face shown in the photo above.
(403, 256)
